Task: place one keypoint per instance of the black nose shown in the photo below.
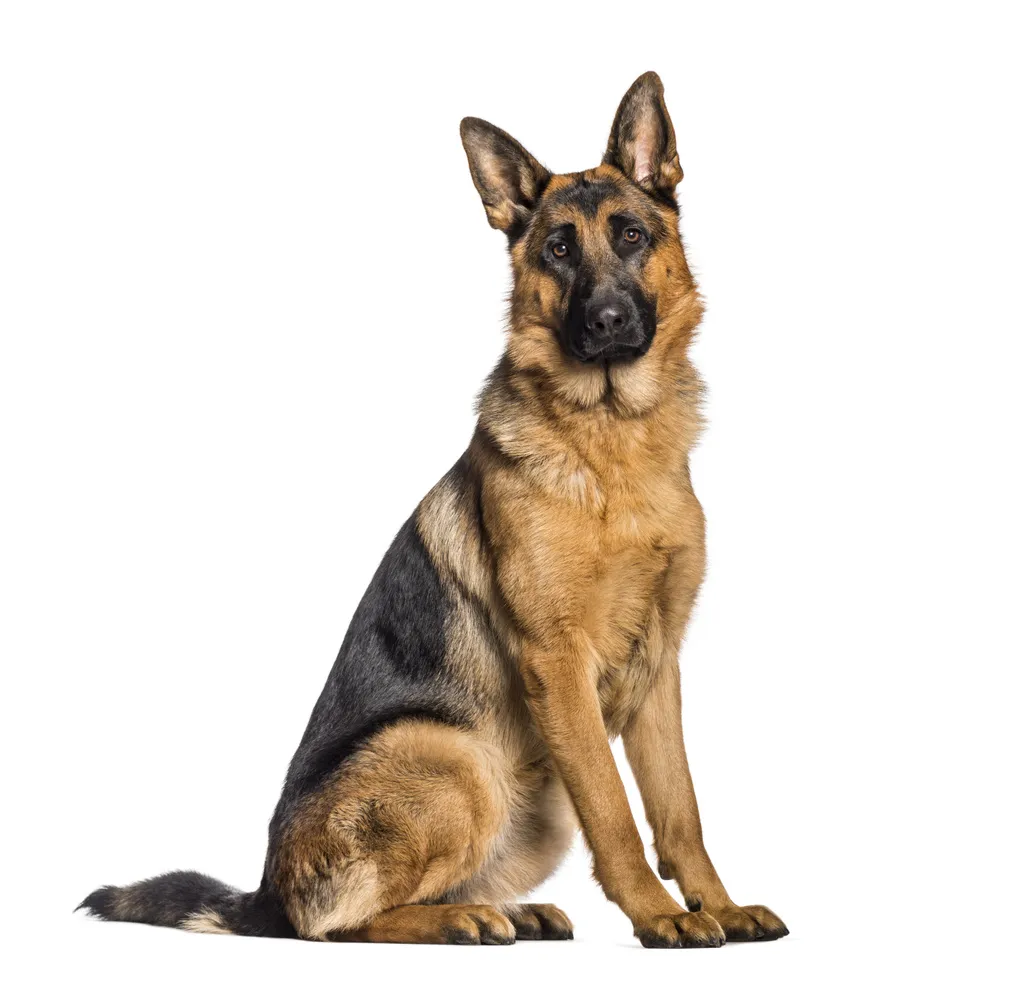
(606, 321)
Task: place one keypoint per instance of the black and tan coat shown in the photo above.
(531, 608)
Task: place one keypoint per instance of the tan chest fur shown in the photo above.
(596, 542)
(638, 548)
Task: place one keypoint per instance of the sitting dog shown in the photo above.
(529, 610)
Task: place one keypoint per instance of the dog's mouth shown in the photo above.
(613, 353)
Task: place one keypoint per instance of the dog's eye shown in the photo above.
(559, 250)
(632, 236)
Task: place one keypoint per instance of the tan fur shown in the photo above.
(458, 924)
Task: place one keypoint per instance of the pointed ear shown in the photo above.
(643, 143)
(507, 177)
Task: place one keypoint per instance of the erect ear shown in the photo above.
(643, 143)
(508, 178)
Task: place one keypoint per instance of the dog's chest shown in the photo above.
(625, 610)
(623, 622)
(599, 568)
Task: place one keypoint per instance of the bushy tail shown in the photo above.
(194, 902)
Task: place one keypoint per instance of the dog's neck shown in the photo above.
(617, 423)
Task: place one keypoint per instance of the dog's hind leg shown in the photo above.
(404, 822)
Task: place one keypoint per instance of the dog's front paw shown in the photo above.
(750, 923)
(686, 930)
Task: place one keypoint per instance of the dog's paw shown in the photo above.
(750, 923)
(687, 930)
(540, 921)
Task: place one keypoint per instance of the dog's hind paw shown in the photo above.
(540, 921)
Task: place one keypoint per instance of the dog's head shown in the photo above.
(602, 293)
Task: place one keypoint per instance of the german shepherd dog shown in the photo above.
(529, 610)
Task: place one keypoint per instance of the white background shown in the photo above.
(247, 295)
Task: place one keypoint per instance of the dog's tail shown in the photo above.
(194, 902)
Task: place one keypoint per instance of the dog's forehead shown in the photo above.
(591, 196)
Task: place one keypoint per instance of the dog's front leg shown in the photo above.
(563, 698)
(653, 740)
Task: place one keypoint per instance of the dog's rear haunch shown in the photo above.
(532, 607)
